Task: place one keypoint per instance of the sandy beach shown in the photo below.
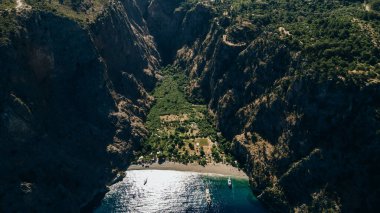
(221, 169)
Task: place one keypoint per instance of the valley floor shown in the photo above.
(181, 131)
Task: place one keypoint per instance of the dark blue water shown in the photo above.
(174, 191)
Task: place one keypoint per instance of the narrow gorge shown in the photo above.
(293, 85)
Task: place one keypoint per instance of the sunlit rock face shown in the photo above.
(72, 104)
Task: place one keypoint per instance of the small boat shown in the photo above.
(208, 197)
(229, 182)
(145, 181)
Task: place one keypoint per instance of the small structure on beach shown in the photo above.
(140, 160)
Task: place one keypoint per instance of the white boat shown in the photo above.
(229, 182)
(208, 196)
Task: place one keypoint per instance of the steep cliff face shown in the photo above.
(73, 96)
(176, 23)
(308, 142)
(72, 101)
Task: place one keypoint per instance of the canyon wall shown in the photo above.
(309, 143)
(72, 102)
(73, 97)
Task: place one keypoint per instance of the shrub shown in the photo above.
(202, 162)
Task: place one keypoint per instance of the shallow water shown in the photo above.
(175, 191)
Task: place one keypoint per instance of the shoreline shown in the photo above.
(216, 169)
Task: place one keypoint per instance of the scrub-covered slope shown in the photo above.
(296, 86)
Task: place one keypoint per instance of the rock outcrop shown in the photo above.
(308, 142)
(73, 96)
(72, 102)
(176, 23)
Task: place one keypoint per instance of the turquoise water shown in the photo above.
(175, 191)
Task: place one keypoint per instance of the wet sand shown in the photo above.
(221, 169)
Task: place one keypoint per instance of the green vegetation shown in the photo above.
(82, 11)
(375, 5)
(169, 99)
(334, 37)
(6, 5)
(179, 130)
(8, 24)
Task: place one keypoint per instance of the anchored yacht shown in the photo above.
(208, 196)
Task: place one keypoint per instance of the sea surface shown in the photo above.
(176, 191)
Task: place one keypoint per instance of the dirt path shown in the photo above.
(225, 40)
(367, 28)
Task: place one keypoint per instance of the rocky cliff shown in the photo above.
(72, 102)
(307, 135)
(294, 85)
